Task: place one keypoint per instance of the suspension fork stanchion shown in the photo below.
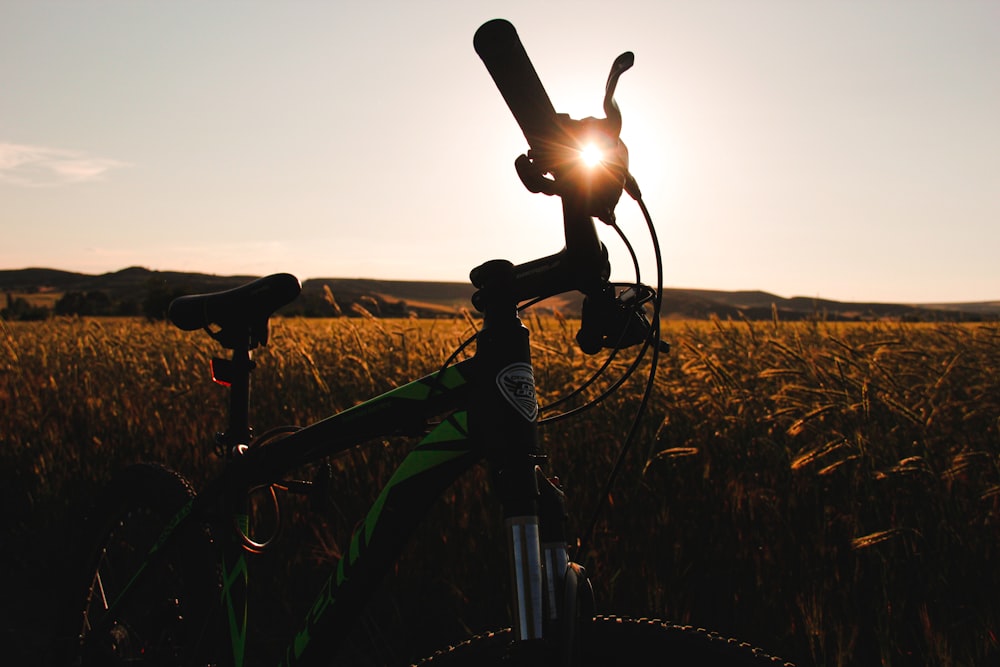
(503, 417)
(555, 554)
(569, 597)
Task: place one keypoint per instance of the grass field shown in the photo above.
(828, 491)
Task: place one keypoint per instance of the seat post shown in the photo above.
(235, 374)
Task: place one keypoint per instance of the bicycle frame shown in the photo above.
(488, 411)
(426, 471)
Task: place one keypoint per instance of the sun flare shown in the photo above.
(591, 155)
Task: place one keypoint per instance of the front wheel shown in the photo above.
(612, 641)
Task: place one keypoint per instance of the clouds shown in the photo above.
(41, 166)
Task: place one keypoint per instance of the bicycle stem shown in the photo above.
(582, 265)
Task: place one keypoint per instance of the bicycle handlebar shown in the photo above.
(500, 49)
(584, 259)
(552, 166)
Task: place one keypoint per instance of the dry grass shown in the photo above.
(828, 491)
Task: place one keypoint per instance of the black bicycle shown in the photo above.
(168, 569)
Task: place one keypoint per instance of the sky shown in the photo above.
(845, 150)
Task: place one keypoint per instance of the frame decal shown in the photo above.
(517, 385)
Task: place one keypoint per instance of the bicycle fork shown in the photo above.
(526, 576)
(504, 418)
(550, 593)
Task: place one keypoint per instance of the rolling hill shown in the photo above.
(444, 299)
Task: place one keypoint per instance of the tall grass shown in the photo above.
(828, 491)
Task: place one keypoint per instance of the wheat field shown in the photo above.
(828, 491)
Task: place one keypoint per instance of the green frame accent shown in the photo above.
(236, 621)
(443, 454)
(432, 465)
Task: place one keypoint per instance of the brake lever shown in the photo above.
(613, 320)
(556, 169)
(612, 113)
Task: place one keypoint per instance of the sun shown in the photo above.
(591, 155)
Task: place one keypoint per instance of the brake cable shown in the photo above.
(629, 442)
(611, 357)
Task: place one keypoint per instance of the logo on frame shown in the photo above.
(517, 384)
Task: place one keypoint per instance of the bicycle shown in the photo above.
(167, 575)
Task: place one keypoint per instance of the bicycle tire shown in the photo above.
(613, 641)
(164, 618)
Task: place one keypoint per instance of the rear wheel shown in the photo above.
(611, 641)
(163, 618)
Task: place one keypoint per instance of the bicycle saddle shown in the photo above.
(240, 313)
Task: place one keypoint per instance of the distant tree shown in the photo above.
(158, 297)
(397, 309)
(70, 303)
(18, 309)
(99, 303)
(309, 304)
(84, 303)
(127, 308)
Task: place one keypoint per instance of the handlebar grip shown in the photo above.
(501, 51)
